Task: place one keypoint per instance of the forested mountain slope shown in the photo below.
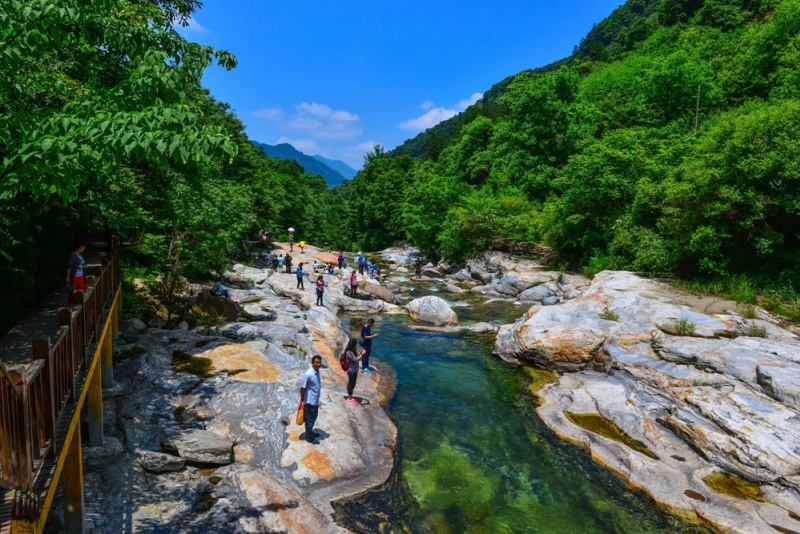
(598, 155)
(311, 164)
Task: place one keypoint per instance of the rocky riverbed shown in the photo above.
(200, 431)
(682, 397)
(693, 401)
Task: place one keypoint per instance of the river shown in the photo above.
(473, 456)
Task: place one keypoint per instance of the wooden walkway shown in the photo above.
(52, 364)
(15, 345)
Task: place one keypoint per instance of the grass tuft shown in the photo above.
(609, 315)
(684, 327)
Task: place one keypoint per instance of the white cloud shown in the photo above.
(429, 119)
(315, 121)
(193, 25)
(354, 155)
(270, 114)
(325, 112)
(467, 102)
(434, 116)
(306, 146)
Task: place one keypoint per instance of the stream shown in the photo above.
(473, 456)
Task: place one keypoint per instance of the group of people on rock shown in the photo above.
(311, 384)
(367, 265)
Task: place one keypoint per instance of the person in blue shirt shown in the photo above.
(372, 269)
(366, 343)
(218, 291)
(299, 272)
(310, 391)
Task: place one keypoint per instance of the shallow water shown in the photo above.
(474, 455)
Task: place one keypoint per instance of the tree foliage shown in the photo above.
(599, 156)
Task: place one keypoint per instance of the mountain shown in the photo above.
(339, 166)
(312, 165)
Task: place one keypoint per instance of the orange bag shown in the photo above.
(301, 414)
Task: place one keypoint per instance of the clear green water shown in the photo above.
(476, 458)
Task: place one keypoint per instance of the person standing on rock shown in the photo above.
(353, 283)
(291, 243)
(280, 263)
(287, 261)
(320, 289)
(418, 269)
(366, 343)
(302, 247)
(341, 259)
(310, 390)
(299, 273)
(352, 368)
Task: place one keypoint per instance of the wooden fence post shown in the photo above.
(72, 484)
(42, 351)
(94, 400)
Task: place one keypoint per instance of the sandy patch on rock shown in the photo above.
(246, 359)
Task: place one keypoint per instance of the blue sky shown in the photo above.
(335, 78)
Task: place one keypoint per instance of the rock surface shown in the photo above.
(693, 394)
(242, 400)
(432, 310)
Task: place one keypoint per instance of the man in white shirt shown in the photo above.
(310, 390)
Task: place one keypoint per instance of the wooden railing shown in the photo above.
(33, 397)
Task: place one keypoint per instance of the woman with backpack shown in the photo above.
(352, 360)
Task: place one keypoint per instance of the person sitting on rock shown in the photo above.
(217, 291)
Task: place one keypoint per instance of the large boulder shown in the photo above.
(201, 446)
(374, 288)
(536, 294)
(216, 306)
(431, 271)
(432, 310)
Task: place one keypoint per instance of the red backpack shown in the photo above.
(343, 361)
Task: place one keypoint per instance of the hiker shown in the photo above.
(217, 291)
(360, 261)
(299, 272)
(74, 278)
(302, 247)
(287, 261)
(353, 284)
(320, 289)
(341, 259)
(310, 389)
(352, 368)
(418, 270)
(366, 344)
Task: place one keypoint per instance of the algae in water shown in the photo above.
(600, 425)
(734, 486)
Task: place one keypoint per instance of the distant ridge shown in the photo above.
(339, 166)
(312, 165)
